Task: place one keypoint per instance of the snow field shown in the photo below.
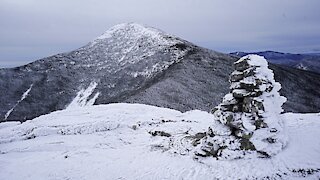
(115, 141)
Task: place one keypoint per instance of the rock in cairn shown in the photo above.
(247, 122)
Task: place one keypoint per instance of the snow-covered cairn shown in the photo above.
(247, 122)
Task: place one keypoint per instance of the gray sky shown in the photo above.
(32, 29)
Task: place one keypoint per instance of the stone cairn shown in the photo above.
(247, 121)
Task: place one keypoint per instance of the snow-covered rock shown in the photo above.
(250, 114)
(119, 141)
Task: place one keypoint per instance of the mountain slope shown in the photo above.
(134, 63)
(308, 62)
(120, 141)
(120, 61)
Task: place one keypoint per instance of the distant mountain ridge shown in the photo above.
(308, 62)
(137, 64)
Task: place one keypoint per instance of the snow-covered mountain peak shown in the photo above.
(129, 44)
(135, 31)
(125, 59)
(134, 63)
(130, 28)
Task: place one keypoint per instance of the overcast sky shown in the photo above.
(32, 29)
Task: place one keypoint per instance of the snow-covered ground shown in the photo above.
(134, 141)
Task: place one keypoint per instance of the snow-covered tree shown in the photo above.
(247, 121)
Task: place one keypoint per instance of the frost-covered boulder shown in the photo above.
(248, 117)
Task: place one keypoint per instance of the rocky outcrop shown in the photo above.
(248, 116)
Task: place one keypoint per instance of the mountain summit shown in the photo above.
(133, 32)
(131, 43)
(137, 64)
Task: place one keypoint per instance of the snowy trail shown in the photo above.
(113, 142)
